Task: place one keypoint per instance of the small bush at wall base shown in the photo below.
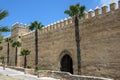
(29, 67)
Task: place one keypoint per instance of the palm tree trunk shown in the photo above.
(16, 57)
(3, 63)
(3, 60)
(8, 54)
(25, 61)
(77, 36)
(36, 49)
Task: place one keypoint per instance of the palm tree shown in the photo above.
(8, 40)
(24, 53)
(1, 47)
(2, 58)
(16, 44)
(76, 12)
(3, 14)
(36, 26)
(1, 38)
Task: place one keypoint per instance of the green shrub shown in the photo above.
(29, 67)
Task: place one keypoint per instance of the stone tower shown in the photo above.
(17, 32)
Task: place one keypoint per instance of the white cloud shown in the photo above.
(107, 1)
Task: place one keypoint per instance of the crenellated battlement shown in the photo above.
(19, 29)
(103, 10)
(91, 13)
(17, 25)
(58, 24)
(68, 21)
(55, 25)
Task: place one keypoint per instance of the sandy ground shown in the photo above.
(10, 74)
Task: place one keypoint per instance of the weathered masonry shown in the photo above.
(100, 44)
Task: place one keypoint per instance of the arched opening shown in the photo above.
(66, 64)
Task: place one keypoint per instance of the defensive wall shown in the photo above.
(99, 38)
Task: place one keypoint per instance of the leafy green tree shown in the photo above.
(16, 44)
(76, 12)
(8, 40)
(36, 26)
(24, 53)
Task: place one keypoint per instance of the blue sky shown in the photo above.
(45, 11)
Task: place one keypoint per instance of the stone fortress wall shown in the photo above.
(99, 38)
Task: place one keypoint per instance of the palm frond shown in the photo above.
(36, 25)
(25, 52)
(75, 10)
(4, 29)
(1, 39)
(68, 12)
(82, 10)
(32, 26)
(40, 26)
(9, 40)
(2, 57)
(16, 44)
(1, 47)
(3, 14)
